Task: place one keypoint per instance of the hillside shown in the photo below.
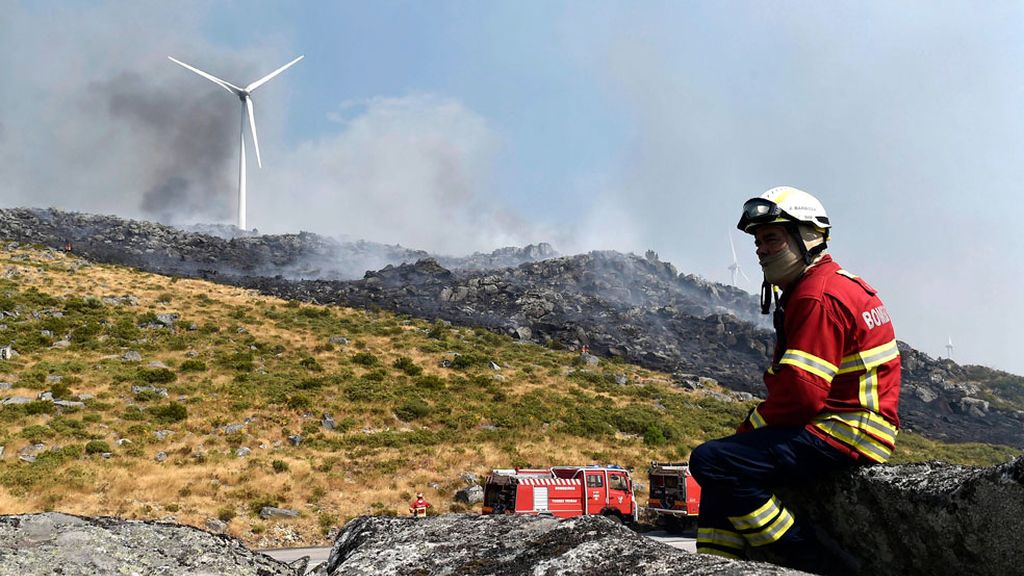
(220, 369)
(622, 306)
(185, 399)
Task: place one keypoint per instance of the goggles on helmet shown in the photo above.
(759, 211)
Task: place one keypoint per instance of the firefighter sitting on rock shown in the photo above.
(833, 391)
(418, 507)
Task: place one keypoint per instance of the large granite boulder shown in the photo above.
(54, 543)
(930, 519)
(472, 545)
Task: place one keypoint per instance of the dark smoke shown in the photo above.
(193, 145)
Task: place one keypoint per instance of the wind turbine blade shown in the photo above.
(267, 78)
(744, 274)
(252, 128)
(225, 85)
(733, 246)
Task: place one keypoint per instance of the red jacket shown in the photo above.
(418, 507)
(836, 368)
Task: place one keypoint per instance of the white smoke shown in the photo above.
(413, 170)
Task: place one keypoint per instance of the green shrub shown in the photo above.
(86, 306)
(327, 521)
(314, 313)
(299, 402)
(146, 319)
(279, 466)
(124, 331)
(468, 360)
(192, 365)
(68, 427)
(169, 413)
(377, 375)
(310, 363)
(164, 298)
(209, 328)
(133, 414)
(239, 361)
(311, 383)
(430, 382)
(39, 407)
(412, 409)
(364, 358)
(147, 396)
(36, 433)
(653, 436)
(226, 514)
(96, 447)
(60, 390)
(86, 333)
(406, 364)
(438, 331)
(155, 375)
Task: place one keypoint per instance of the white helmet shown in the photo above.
(781, 205)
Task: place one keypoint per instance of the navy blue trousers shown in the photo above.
(737, 506)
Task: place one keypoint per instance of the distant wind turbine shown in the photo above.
(734, 268)
(949, 347)
(247, 109)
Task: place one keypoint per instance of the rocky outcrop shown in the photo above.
(54, 543)
(621, 305)
(470, 545)
(929, 519)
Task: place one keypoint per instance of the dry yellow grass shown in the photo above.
(202, 478)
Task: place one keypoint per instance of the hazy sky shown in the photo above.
(462, 126)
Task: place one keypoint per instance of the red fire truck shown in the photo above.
(674, 495)
(562, 491)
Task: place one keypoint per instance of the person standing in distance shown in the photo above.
(833, 389)
(418, 507)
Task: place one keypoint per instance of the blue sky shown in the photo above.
(462, 126)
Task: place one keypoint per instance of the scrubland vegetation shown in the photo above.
(160, 434)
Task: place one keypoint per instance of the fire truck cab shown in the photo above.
(562, 491)
(674, 495)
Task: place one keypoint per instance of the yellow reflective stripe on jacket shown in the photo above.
(868, 389)
(758, 518)
(867, 421)
(868, 359)
(860, 431)
(810, 363)
(756, 420)
(719, 537)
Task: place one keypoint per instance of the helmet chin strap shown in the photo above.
(767, 290)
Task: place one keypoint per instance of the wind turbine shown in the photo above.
(243, 94)
(949, 347)
(735, 266)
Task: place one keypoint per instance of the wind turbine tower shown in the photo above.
(245, 95)
(734, 268)
(949, 347)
